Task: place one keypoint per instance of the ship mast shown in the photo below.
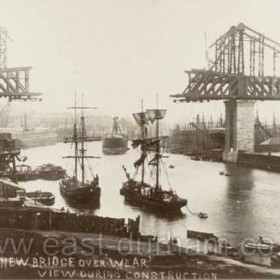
(143, 137)
(157, 115)
(157, 153)
(75, 138)
(82, 142)
(157, 147)
(141, 119)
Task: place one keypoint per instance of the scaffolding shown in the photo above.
(14, 82)
(242, 57)
(14, 85)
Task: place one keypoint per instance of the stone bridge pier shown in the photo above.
(239, 134)
(237, 80)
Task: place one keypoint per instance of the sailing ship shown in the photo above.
(140, 192)
(116, 142)
(73, 190)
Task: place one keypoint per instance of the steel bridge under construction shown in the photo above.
(236, 75)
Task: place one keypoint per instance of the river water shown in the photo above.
(243, 205)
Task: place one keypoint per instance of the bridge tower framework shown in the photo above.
(14, 85)
(236, 75)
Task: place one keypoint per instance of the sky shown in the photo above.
(117, 52)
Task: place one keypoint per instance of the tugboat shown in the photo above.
(75, 191)
(46, 171)
(260, 246)
(50, 171)
(25, 173)
(116, 142)
(139, 192)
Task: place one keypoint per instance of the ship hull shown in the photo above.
(27, 176)
(31, 138)
(45, 198)
(52, 175)
(114, 145)
(114, 151)
(50, 172)
(80, 195)
(25, 141)
(137, 199)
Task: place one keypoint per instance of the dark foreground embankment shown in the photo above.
(65, 255)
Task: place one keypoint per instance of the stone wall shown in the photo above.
(265, 162)
(239, 128)
(245, 122)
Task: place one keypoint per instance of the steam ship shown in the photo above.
(116, 142)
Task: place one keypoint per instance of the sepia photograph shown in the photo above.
(139, 139)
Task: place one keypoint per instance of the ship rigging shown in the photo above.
(140, 192)
(71, 188)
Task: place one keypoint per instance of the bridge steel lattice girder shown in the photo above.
(206, 85)
(14, 84)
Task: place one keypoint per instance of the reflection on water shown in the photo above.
(245, 203)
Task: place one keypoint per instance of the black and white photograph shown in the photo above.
(139, 139)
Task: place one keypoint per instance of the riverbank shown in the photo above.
(65, 255)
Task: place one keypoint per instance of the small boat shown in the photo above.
(26, 173)
(202, 215)
(46, 171)
(75, 191)
(23, 173)
(202, 235)
(116, 142)
(46, 198)
(139, 192)
(258, 247)
(50, 171)
(276, 247)
(171, 166)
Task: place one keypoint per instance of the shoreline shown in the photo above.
(107, 262)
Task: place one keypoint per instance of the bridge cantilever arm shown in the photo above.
(14, 69)
(258, 40)
(260, 34)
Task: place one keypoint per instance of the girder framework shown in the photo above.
(14, 82)
(3, 47)
(242, 55)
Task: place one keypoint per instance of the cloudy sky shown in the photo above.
(116, 52)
